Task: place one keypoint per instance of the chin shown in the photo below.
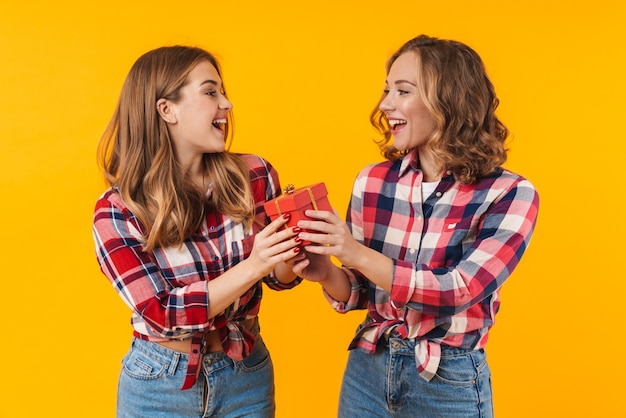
(221, 147)
(401, 146)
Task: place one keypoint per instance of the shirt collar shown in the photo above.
(410, 162)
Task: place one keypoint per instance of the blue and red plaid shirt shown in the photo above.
(166, 288)
(451, 253)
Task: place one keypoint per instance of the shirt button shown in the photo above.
(438, 194)
(195, 351)
(212, 228)
(412, 250)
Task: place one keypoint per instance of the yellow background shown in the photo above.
(303, 77)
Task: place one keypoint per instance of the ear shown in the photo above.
(166, 111)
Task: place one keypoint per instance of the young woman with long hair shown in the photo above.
(182, 235)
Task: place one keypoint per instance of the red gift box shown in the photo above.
(296, 201)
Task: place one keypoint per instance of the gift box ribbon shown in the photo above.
(289, 189)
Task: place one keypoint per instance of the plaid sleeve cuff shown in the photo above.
(358, 294)
(273, 283)
(403, 285)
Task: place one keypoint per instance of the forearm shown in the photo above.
(229, 286)
(376, 267)
(284, 273)
(336, 284)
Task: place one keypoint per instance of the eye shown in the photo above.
(386, 92)
(402, 92)
(212, 93)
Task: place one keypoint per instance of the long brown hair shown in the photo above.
(137, 156)
(452, 80)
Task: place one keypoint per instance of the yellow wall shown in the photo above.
(303, 77)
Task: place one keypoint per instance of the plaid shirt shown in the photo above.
(451, 253)
(166, 288)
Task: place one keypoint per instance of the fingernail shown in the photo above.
(286, 215)
(296, 250)
(296, 229)
(298, 239)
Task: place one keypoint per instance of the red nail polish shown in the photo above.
(298, 239)
(296, 250)
(296, 229)
(286, 216)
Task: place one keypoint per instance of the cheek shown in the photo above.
(429, 123)
(424, 120)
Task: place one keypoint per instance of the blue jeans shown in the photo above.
(152, 375)
(387, 384)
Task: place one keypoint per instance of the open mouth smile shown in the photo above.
(396, 125)
(219, 124)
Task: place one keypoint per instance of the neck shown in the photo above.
(431, 170)
(194, 171)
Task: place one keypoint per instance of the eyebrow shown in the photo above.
(215, 83)
(401, 82)
(405, 81)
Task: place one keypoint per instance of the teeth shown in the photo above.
(394, 122)
(219, 121)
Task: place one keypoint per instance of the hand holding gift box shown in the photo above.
(296, 201)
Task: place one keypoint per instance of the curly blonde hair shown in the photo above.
(469, 140)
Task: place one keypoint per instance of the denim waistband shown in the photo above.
(176, 358)
(407, 346)
(157, 351)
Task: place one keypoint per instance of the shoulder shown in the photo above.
(112, 216)
(111, 207)
(258, 166)
(263, 177)
(372, 176)
(110, 199)
(505, 185)
(376, 170)
(505, 179)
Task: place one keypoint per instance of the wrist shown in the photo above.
(333, 275)
(337, 284)
(247, 272)
(284, 273)
(364, 258)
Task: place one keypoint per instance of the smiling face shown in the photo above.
(403, 106)
(196, 121)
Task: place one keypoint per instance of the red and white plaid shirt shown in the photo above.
(451, 253)
(166, 288)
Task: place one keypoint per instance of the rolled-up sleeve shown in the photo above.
(502, 238)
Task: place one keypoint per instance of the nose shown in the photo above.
(385, 104)
(225, 104)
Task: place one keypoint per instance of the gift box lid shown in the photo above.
(294, 199)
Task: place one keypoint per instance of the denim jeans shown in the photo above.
(152, 375)
(387, 384)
